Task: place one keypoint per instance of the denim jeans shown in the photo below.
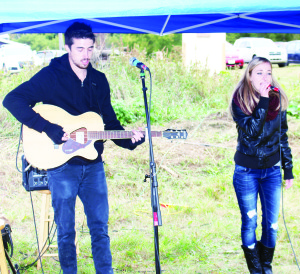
(89, 183)
(248, 183)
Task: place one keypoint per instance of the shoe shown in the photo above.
(252, 259)
(266, 257)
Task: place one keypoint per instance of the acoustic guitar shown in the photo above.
(84, 130)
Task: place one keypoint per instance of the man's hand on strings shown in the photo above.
(138, 137)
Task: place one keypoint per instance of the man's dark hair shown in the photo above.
(78, 30)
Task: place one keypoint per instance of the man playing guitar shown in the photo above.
(71, 83)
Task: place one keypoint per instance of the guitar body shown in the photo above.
(42, 153)
(83, 130)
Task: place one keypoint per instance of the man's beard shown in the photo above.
(80, 64)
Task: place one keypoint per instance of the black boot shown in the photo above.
(252, 259)
(266, 256)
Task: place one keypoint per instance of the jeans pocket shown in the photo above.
(241, 169)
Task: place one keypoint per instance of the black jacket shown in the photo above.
(258, 140)
(58, 85)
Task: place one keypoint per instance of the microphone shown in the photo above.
(136, 63)
(274, 88)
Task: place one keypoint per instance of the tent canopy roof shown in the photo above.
(155, 16)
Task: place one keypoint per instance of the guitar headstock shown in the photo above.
(175, 134)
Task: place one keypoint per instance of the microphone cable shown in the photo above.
(49, 232)
(44, 245)
(156, 244)
(18, 149)
(280, 156)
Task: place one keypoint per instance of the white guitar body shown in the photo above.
(84, 130)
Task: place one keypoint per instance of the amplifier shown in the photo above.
(33, 178)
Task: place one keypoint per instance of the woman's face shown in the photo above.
(261, 75)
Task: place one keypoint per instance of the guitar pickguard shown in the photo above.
(71, 146)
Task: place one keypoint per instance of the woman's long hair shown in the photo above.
(248, 96)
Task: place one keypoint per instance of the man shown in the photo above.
(71, 83)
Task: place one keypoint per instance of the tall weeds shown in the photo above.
(178, 93)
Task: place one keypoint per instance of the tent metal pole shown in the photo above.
(35, 26)
(165, 24)
(121, 26)
(270, 22)
(202, 25)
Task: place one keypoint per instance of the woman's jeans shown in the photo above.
(89, 183)
(248, 183)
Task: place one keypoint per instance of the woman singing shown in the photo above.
(258, 108)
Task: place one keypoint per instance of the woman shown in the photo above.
(260, 116)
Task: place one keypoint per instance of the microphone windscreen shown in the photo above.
(131, 61)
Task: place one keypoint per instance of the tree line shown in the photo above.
(149, 42)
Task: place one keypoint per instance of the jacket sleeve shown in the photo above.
(109, 116)
(252, 125)
(286, 154)
(22, 99)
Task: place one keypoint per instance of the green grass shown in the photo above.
(201, 226)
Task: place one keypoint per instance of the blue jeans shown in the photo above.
(89, 183)
(248, 183)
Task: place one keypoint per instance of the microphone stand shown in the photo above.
(153, 180)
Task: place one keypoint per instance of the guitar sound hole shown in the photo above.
(79, 135)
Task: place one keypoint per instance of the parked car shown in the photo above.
(12, 54)
(293, 50)
(251, 47)
(232, 56)
(11, 66)
(47, 55)
(281, 44)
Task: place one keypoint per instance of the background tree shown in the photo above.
(150, 42)
(38, 41)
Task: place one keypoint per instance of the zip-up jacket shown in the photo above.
(258, 143)
(58, 85)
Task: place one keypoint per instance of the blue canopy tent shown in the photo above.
(155, 16)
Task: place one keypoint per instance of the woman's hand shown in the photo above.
(288, 183)
(264, 89)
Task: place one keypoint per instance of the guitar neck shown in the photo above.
(116, 134)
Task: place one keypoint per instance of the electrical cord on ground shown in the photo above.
(36, 234)
(156, 244)
(206, 145)
(280, 156)
(39, 256)
(177, 143)
(49, 243)
(49, 232)
(20, 137)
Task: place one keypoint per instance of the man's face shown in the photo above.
(81, 52)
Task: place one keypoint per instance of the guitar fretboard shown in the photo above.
(116, 134)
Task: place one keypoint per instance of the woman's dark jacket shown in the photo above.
(258, 140)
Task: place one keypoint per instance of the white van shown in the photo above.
(250, 47)
(47, 55)
(10, 55)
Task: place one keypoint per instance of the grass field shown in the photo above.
(201, 224)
